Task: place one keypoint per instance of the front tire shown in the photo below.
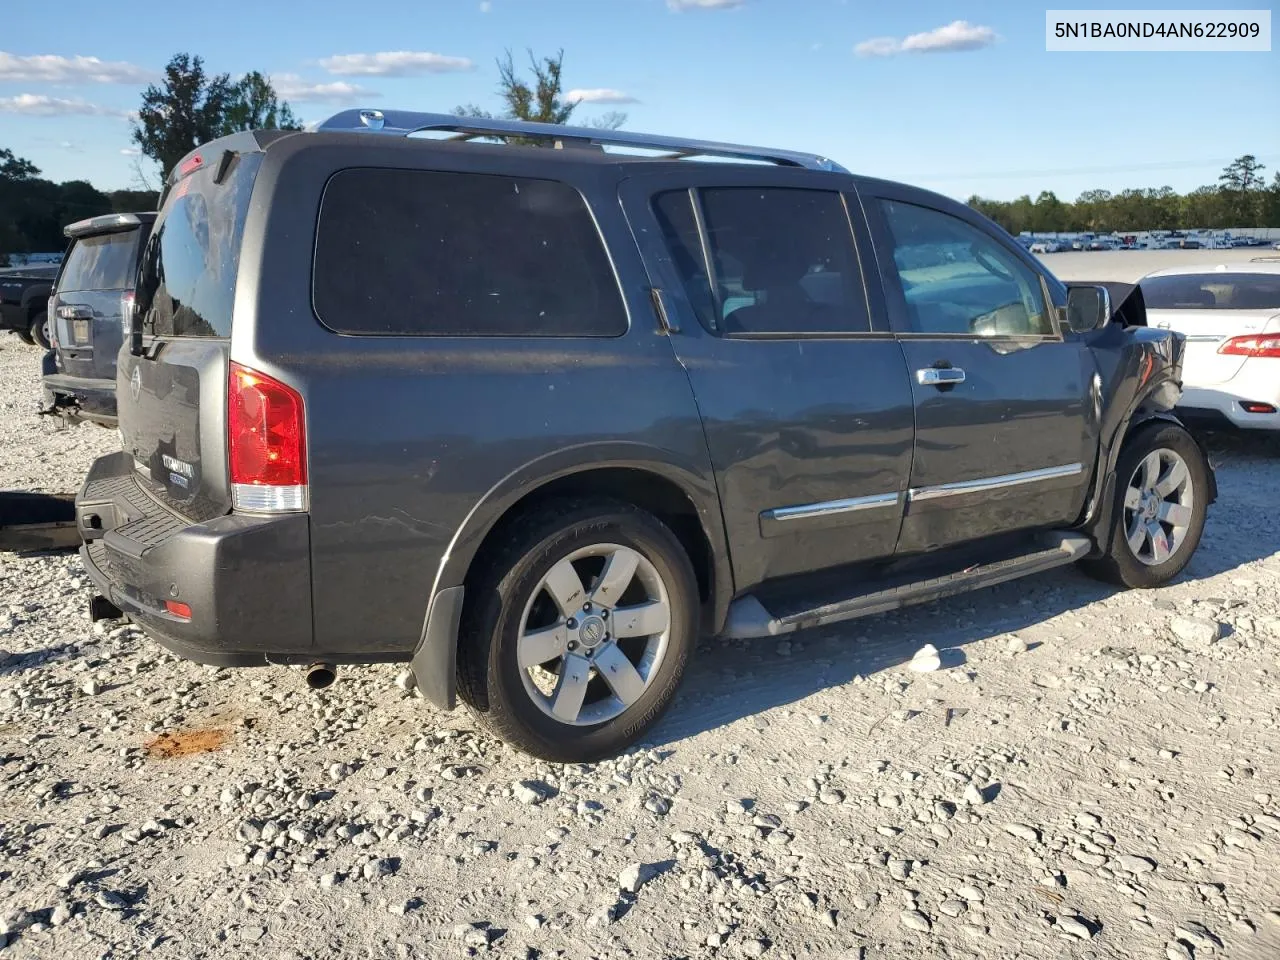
(40, 331)
(576, 633)
(1162, 482)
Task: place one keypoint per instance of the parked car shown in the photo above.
(90, 304)
(535, 419)
(24, 298)
(1230, 316)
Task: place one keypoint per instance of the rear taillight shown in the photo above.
(266, 443)
(126, 311)
(1253, 345)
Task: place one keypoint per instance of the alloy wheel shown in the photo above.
(1158, 506)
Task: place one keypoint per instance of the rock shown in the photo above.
(1075, 927)
(61, 914)
(753, 948)
(974, 796)
(376, 869)
(915, 920)
(405, 681)
(971, 893)
(91, 688)
(1132, 864)
(943, 810)
(110, 900)
(1023, 832)
(605, 915)
(952, 908)
(1196, 934)
(531, 792)
(339, 771)
(865, 901)
(476, 937)
(635, 876)
(1195, 630)
(14, 921)
(68, 880)
(900, 870)
(926, 659)
(736, 806)
(328, 880)
(682, 837)
(1015, 645)
(1178, 951)
(533, 922)
(830, 796)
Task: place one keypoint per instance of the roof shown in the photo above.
(1263, 265)
(405, 123)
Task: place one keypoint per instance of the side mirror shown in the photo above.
(1088, 308)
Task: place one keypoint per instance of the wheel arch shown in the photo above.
(678, 493)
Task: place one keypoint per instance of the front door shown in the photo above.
(802, 388)
(1006, 431)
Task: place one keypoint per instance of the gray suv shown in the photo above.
(534, 414)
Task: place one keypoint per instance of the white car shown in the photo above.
(1230, 315)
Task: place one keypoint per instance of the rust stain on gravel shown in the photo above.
(185, 743)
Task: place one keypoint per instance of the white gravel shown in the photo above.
(1090, 775)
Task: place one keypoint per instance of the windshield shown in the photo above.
(1213, 291)
(104, 262)
(188, 279)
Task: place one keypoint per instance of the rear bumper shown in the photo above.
(1218, 408)
(246, 579)
(80, 398)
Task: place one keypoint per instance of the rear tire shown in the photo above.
(560, 658)
(1162, 489)
(40, 331)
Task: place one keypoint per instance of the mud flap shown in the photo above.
(435, 662)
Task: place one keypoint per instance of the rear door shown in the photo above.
(172, 380)
(801, 387)
(1006, 419)
(1209, 309)
(93, 293)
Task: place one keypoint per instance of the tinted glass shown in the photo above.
(1213, 291)
(104, 262)
(424, 253)
(187, 284)
(959, 280)
(783, 261)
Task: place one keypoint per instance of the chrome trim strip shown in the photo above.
(829, 507)
(993, 483)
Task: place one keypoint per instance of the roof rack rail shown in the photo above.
(405, 122)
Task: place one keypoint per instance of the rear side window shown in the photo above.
(105, 262)
(1213, 291)
(187, 283)
(777, 261)
(427, 253)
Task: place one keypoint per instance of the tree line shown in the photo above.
(1240, 198)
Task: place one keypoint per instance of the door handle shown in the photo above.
(939, 376)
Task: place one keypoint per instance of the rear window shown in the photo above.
(187, 284)
(1213, 291)
(426, 253)
(104, 262)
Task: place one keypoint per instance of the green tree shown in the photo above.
(16, 168)
(541, 99)
(253, 105)
(1242, 183)
(187, 109)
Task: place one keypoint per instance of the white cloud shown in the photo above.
(130, 152)
(49, 68)
(39, 105)
(486, 6)
(599, 95)
(394, 63)
(956, 36)
(291, 87)
(679, 5)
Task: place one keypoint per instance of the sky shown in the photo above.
(958, 97)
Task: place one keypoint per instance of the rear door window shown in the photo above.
(1213, 291)
(187, 283)
(105, 262)
(430, 253)
(776, 261)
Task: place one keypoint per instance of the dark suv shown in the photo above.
(91, 301)
(533, 415)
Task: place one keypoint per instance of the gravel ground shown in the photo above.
(1089, 774)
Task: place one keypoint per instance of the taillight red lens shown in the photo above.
(1253, 345)
(266, 431)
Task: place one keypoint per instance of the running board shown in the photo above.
(748, 616)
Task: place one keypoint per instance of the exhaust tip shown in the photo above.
(100, 608)
(321, 675)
